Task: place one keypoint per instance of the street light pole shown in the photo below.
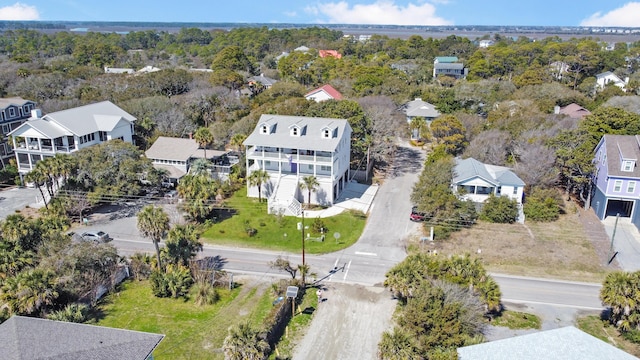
(304, 269)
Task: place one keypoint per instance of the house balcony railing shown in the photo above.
(285, 157)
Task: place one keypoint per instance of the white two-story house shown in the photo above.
(69, 130)
(290, 148)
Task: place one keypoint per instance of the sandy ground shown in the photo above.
(348, 324)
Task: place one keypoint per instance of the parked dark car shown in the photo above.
(416, 215)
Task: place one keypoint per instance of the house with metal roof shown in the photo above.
(476, 181)
(34, 338)
(290, 148)
(68, 131)
(175, 155)
(567, 343)
(14, 112)
(607, 77)
(617, 177)
(419, 108)
(325, 92)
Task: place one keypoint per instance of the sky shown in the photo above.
(607, 13)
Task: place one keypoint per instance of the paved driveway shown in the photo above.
(16, 198)
(626, 242)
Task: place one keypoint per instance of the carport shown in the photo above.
(619, 206)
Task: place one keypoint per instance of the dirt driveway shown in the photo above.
(348, 324)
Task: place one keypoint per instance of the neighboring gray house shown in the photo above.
(419, 108)
(266, 82)
(475, 181)
(290, 148)
(68, 131)
(175, 155)
(34, 338)
(449, 66)
(567, 343)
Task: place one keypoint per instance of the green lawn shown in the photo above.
(280, 233)
(517, 320)
(191, 332)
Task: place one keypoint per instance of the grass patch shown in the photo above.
(517, 320)
(191, 332)
(280, 233)
(297, 325)
(604, 331)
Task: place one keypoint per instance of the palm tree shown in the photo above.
(309, 183)
(203, 137)
(620, 292)
(30, 291)
(153, 223)
(417, 126)
(182, 244)
(237, 140)
(257, 178)
(397, 345)
(199, 167)
(244, 343)
(38, 178)
(13, 259)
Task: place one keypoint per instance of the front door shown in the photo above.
(294, 168)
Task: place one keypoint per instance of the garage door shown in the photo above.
(622, 207)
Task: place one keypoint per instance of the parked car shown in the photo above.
(416, 215)
(96, 235)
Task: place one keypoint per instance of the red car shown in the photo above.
(416, 215)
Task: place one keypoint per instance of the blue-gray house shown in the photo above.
(617, 177)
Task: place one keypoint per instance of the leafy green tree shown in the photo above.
(21, 232)
(232, 58)
(153, 223)
(398, 344)
(310, 184)
(543, 205)
(244, 343)
(499, 209)
(257, 178)
(450, 132)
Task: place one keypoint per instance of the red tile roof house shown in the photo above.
(329, 53)
(325, 92)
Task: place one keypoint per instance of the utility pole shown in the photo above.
(304, 269)
(613, 235)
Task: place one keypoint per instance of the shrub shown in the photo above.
(543, 206)
(140, 266)
(174, 282)
(76, 313)
(499, 209)
(205, 294)
(318, 226)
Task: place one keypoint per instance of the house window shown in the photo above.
(631, 187)
(267, 163)
(310, 167)
(326, 133)
(103, 136)
(627, 165)
(617, 186)
(515, 190)
(604, 159)
(498, 190)
(5, 129)
(263, 130)
(325, 168)
(294, 131)
(12, 112)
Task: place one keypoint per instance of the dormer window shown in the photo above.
(295, 131)
(627, 165)
(326, 133)
(264, 129)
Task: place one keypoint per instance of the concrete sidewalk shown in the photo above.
(355, 196)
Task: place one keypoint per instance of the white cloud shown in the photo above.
(627, 15)
(19, 11)
(382, 12)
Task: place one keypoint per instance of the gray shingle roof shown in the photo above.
(567, 343)
(310, 138)
(625, 146)
(179, 149)
(418, 107)
(498, 175)
(32, 338)
(16, 101)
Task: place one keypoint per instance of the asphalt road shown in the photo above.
(380, 247)
(16, 198)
